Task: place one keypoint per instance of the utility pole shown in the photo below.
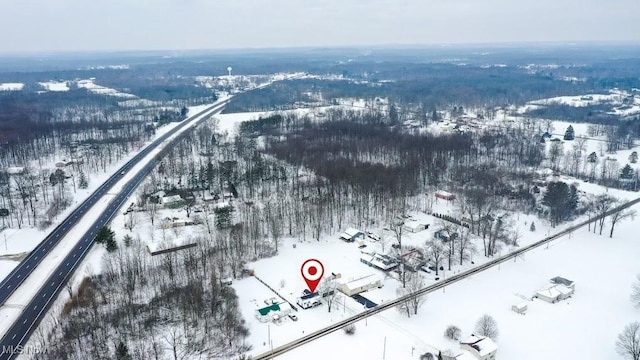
(384, 348)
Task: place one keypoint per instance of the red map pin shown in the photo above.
(312, 272)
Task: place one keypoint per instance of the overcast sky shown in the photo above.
(79, 25)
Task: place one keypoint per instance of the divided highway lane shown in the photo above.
(23, 327)
(26, 266)
(439, 285)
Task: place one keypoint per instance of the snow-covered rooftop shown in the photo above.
(482, 344)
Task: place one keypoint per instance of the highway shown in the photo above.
(439, 285)
(23, 327)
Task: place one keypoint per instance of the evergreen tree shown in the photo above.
(593, 157)
(127, 240)
(569, 134)
(561, 199)
(393, 114)
(533, 226)
(83, 183)
(106, 237)
(626, 172)
(122, 352)
(633, 158)
(224, 216)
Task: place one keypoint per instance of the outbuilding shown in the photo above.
(351, 235)
(360, 285)
(273, 311)
(519, 308)
(415, 226)
(445, 195)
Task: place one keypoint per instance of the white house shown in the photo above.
(359, 285)
(481, 347)
(554, 293)
(549, 294)
(309, 300)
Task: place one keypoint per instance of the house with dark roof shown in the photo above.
(481, 347)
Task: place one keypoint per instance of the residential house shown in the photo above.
(413, 260)
(481, 347)
(379, 261)
(309, 300)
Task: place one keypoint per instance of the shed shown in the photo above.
(519, 308)
(360, 285)
(268, 313)
(415, 226)
(351, 235)
(445, 195)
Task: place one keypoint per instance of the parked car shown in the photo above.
(425, 269)
(373, 236)
(293, 317)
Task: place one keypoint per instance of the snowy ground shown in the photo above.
(90, 85)
(602, 268)
(11, 86)
(55, 86)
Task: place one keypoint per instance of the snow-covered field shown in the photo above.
(615, 98)
(55, 86)
(90, 85)
(11, 86)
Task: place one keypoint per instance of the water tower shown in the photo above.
(229, 70)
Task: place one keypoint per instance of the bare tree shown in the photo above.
(465, 246)
(414, 299)
(453, 332)
(435, 251)
(327, 290)
(620, 215)
(635, 292)
(152, 210)
(131, 220)
(603, 203)
(628, 344)
(487, 326)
